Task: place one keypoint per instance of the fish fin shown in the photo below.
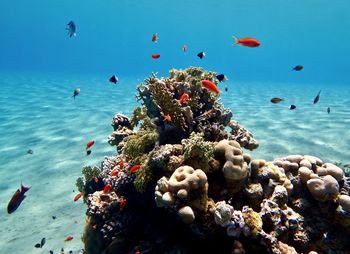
(236, 40)
(24, 189)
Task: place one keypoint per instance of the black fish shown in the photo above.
(298, 68)
(291, 107)
(17, 199)
(43, 241)
(226, 89)
(76, 92)
(54, 217)
(30, 151)
(201, 55)
(51, 252)
(317, 98)
(88, 152)
(37, 245)
(328, 110)
(114, 79)
(221, 77)
(71, 28)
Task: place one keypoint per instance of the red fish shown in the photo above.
(210, 86)
(155, 37)
(94, 226)
(107, 188)
(184, 98)
(167, 118)
(135, 168)
(17, 199)
(248, 42)
(184, 48)
(137, 252)
(76, 198)
(69, 238)
(155, 56)
(114, 172)
(90, 144)
(122, 203)
(121, 165)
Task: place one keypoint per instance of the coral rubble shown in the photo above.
(182, 183)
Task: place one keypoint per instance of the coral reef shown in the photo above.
(182, 183)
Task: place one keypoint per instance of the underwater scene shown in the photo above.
(174, 127)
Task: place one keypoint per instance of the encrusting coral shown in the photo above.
(181, 183)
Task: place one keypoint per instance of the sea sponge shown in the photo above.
(323, 188)
(253, 220)
(142, 142)
(187, 178)
(235, 167)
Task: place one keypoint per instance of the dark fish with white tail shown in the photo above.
(17, 199)
(201, 55)
(317, 98)
(221, 77)
(71, 28)
(76, 92)
(113, 79)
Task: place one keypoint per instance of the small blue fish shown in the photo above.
(71, 28)
(17, 199)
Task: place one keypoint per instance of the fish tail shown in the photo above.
(236, 40)
(24, 189)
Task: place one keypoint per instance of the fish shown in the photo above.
(37, 245)
(114, 172)
(114, 79)
(121, 164)
(88, 152)
(155, 56)
(94, 226)
(107, 188)
(298, 67)
(54, 217)
(137, 252)
(69, 238)
(221, 77)
(226, 89)
(43, 241)
(72, 29)
(135, 168)
(201, 55)
(328, 110)
(77, 197)
(291, 107)
(276, 100)
(17, 199)
(210, 86)
(167, 118)
(155, 37)
(51, 252)
(317, 98)
(90, 144)
(248, 42)
(76, 92)
(122, 203)
(184, 48)
(30, 151)
(184, 98)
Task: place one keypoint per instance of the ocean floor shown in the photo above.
(38, 112)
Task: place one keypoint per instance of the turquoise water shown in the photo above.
(40, 67)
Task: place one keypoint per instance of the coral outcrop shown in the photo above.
(182, 183)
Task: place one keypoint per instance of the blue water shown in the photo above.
(40, 66)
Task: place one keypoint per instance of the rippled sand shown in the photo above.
(38, 113)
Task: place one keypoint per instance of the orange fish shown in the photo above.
(90, 144)
(167, 118)
(184, 48)
(107, 188)
(114, 172)
(135, 168)
(155, 37)
(94, 226)
(210, 86)
(122, 203)
(17, 199)
(121, 165)
(248, 42)
(76, 198)
(155, 56)
(69, 238)
(184, 98)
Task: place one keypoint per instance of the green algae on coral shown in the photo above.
(140, 143)
(197, 151)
